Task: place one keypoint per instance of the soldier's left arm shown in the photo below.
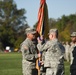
(43, 47)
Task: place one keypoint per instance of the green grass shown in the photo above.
(67, 68)
(11, 64)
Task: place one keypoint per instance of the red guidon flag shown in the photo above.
(42, 24)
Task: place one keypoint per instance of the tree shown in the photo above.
(10, 15)
(52, 22)
(12, 22)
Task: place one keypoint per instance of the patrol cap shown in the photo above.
(73, 34)
(30, 30)
(53, 31)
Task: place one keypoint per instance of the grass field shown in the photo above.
(10, 64)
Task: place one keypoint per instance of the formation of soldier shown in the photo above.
(68, 49)
(70, 53)
(73, 54)
(52, 53)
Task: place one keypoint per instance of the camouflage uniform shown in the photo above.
(73, 56)
(53, 57)
(54, 53)
(29, 54)
(67, 46)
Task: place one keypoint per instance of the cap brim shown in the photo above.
(72, 36)
(34, 32)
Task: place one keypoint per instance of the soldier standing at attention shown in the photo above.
(29, 53)
(67, 47)
(73, 54)
(54, 53)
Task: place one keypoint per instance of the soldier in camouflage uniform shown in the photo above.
(73, 54)
(29, 53)
(67, 47)
(54, 52)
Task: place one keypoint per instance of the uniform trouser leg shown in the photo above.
(34, 72)
(73, 69)
(51, 71)
(42, 70)
(27, 69)
(73, 72)
(54, 71)
(60, 72)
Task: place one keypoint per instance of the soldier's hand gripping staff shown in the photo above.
(53, 54)
(29, 53)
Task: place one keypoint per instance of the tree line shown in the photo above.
(13, 24)
(66, 25)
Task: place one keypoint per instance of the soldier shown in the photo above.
(73, 54)
(54, 52)
(67, 47)
(29, 53)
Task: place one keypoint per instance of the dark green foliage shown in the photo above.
(12, 24)
(65, 25)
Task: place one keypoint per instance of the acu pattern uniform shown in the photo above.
(53, 57)
(29, 55)
(54, 53)
(73, 56)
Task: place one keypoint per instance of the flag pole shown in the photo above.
(42, 25)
